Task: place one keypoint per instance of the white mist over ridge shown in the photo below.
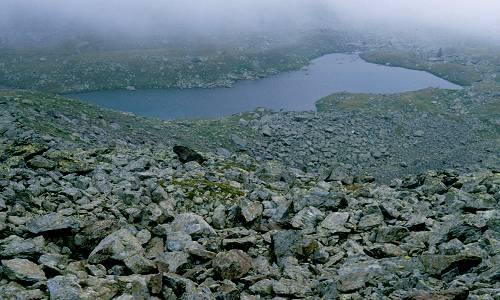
(480, 18)
(55, 19)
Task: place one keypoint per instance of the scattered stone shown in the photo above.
(239, 142)
(267, 131)
(295, 216)
(308, 217)
(14, 246)
(392, 234)
(138, 264)
(439, 264)
(173, 261)
(223, 152)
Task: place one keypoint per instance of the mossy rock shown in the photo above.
(199, 186)
(72, 162)
(73, 165)
(25, 149)
(40, 162)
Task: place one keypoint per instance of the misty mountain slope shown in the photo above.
(186, 64)
(214, 63)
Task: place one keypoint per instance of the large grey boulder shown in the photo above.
(390, 234)
(308, 217)
(119, 245)
(251, 211)
(232, 264)
(191, 224)
(64, 288)
(292, 243)
(186, 155)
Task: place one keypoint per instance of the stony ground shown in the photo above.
(96, 205)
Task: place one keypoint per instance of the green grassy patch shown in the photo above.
(197, 187)
(431, 100)
(460, 74)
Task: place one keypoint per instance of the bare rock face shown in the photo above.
(232, 264)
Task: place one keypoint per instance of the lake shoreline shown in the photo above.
(289, 91)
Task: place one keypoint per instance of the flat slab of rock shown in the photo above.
(20, 269)
(335, 221)
(391, 234)
(14, 246)
(51, 222)
(439, 264)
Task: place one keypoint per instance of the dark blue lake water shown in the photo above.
(293, 91)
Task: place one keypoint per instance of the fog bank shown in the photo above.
(39, 21)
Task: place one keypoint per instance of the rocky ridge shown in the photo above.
(439, 130)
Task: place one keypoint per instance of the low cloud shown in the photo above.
(56, 19)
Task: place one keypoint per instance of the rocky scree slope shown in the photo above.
(123, 218)
(435, 130)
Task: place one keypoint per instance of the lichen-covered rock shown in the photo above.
(335, 223)
(15, 291)
(232, 264)
(251, 211)
(391, 234)
(438, 264)
(308, 217)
